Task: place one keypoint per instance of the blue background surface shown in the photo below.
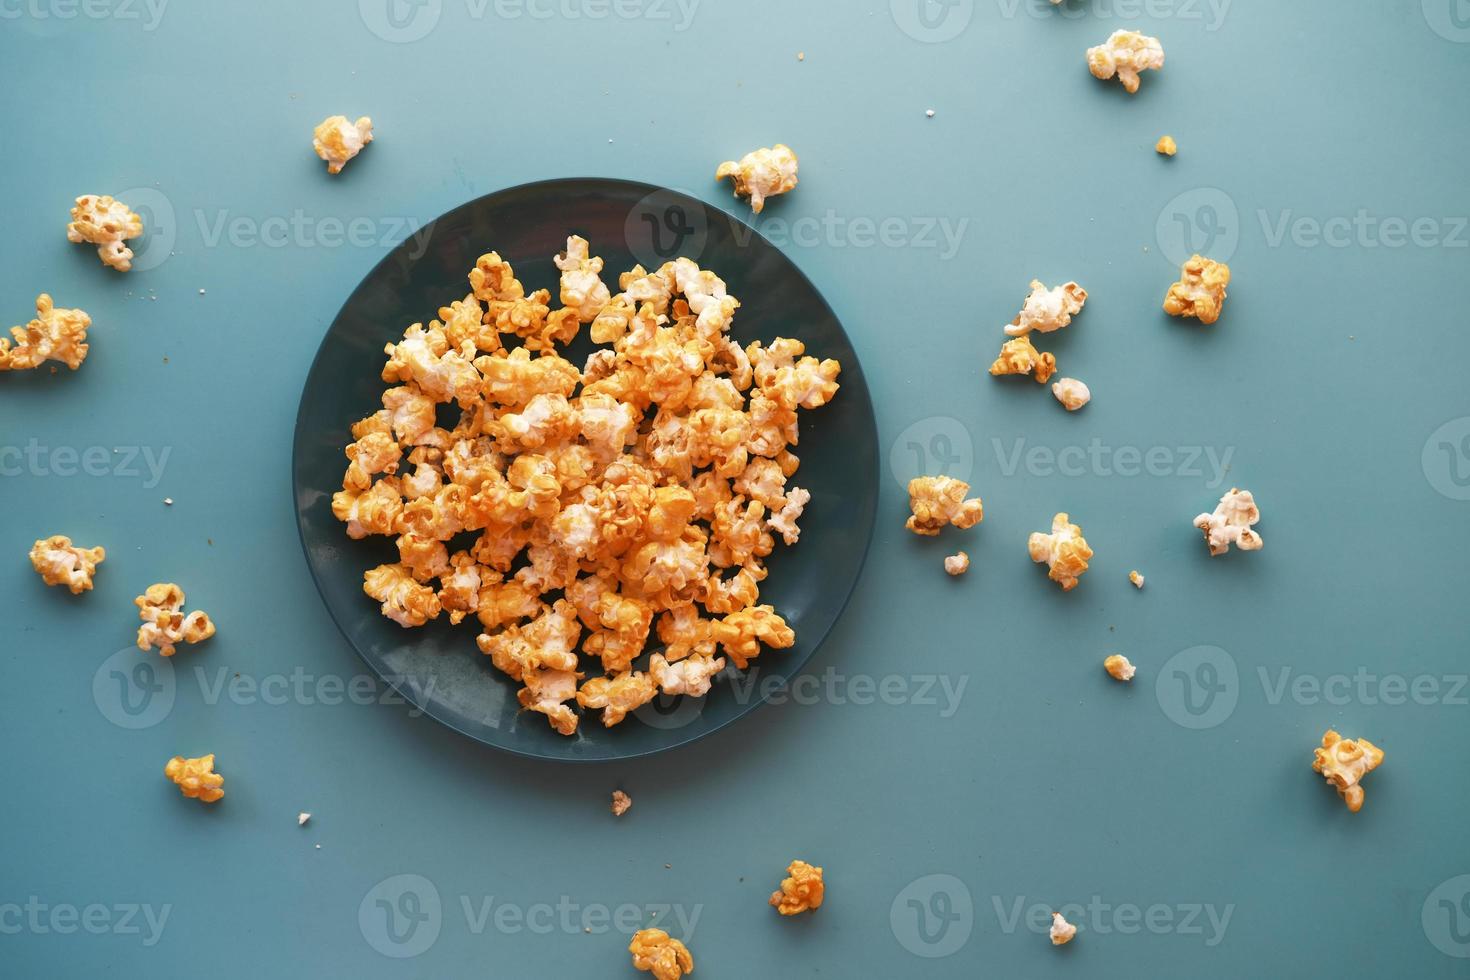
(996, 771)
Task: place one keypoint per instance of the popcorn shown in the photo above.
(57, 334)
(1046, 310)
(196, 778)
(690, 676)
(164, 622)
(1072, 393)
(654, 951)
(1020, 357)
(1200, 291)
(107, 223)
(1136, 578)
(1344, 762)
(1230, 523)
(1064, 550)
(58, 563)
(761, 174)
(337, 140)
(957, 564)
(801, 891)
(1119, 668)
(1125, 54)
(1166, 146)
(1062, 931)
(404, 600)
(581, 288)
(621, 803)
(937, 501)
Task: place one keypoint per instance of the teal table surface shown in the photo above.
(956, 758)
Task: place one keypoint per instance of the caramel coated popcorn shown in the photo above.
(655, 951)
(761, 174)
(58, 563)
(1119, 668)
(957, 564)
(56, 334)
(196, 778)
(1125, 54)
(107, 223)
(1046, 310)
(1064, 550)
(1166, 146)
(627, 504)
(164, 623)
(801, 890)
(1200, 291)
(1062, 931)
(1019, 356)
(1072, 393)
(621, 803)
(1343, 762)
(938, 501)
(337, 140)
(1136, 578)
(1231, 523)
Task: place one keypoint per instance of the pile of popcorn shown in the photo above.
(646, 487)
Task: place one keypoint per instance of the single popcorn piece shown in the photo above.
(1125, 54)
(1230, 523)
(1064, 550)
(1046, 310)
(761, 174)
(1344, 762)
(1200, 291)
(621, 803)
(937, 501)
(957, 564)
(337, 140)
(1020, 357)
(1072, 393)
(801, 891)
(107, 223)
(58, 563)
(1166, 146)
(57, 334)
(582, 288)
(1062, 931)
(196, 778)
(302, 818)
(1118, 666)
(655, 951)
(164, 622)
(1136, 578)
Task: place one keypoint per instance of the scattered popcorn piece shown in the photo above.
(1166, 146)
(929, 113)
(337, 140)
(1231, 523)
(58, 563)
(301, 818)
(164, 623)
(1064, 550)
(1118, 666)
(1020, 357)
(801, 891)
(57, 334)
(801, 56)
(1136, 578)
(654, 951)
(761, 174)
(1125, 54)
(1072, 393)
(196, 778)
(107, 223)
(621, 803)
(1344, 762)
(1062, 931)
(957, 564)
(937, 501)
(1200, 291)
(1045, 310)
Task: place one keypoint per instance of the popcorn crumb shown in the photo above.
(801, 56)
(1045, 310)
(621, 803)
(1230, 523)
(196, 778)
(761, 174)
(336, 140)
(164, 622)
(1125, 54)
(57, 334)
(1064, 550)
(1019, 356)
(801, 891)
(58, 563)
(957, 564)
(1166, 146)
(1062, 931)
(938, 501)
(1072, 393)
(1118, 666)
(929, 113)
(1136, 578)
(1200, 291)
(1343, 762)
(168, 501)
(654, 951)
(302, 818)
(107, 223)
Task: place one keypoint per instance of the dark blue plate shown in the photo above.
(438, 667)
